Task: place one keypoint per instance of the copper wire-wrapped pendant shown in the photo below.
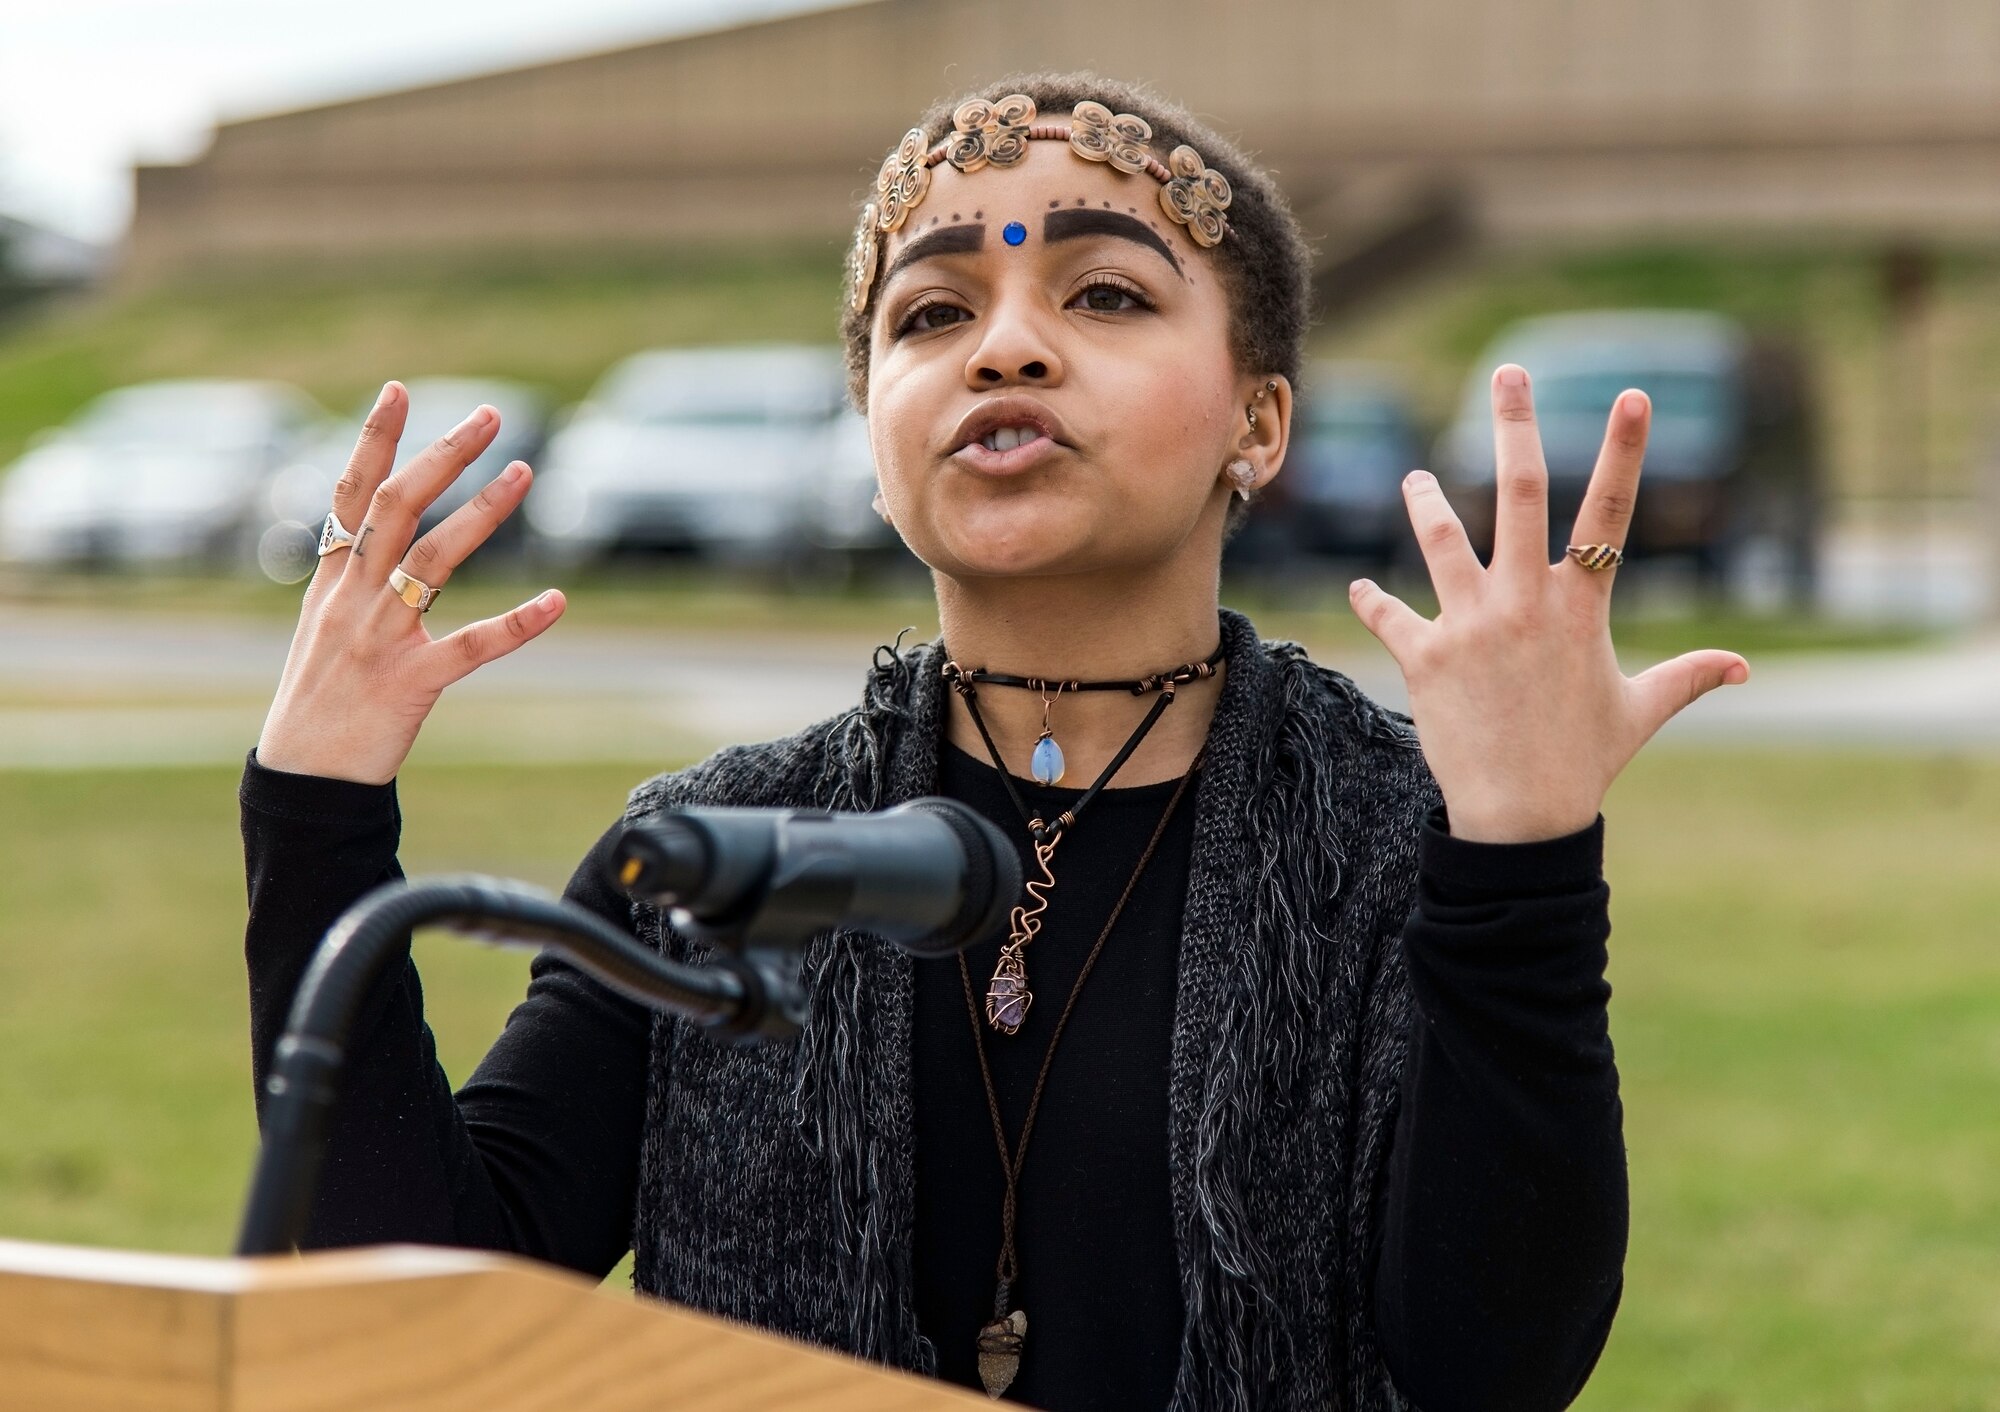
(1007, 994)
(1000, 1345)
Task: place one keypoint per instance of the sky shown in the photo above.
(88, 87)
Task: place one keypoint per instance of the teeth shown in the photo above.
(1007, 438)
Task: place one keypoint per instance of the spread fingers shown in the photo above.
(1606, 515)
(433, 557)
(1521, 515)
(374, 456)
(384, 535)
(1454, 568)
(461, 653)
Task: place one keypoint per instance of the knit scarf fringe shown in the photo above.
(849, 976)
(1289, 963)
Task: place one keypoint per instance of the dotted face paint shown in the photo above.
(1014, 233)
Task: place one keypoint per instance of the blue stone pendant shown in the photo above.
(1046, 764)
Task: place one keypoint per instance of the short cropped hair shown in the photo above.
(1267, 271)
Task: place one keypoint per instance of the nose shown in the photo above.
(1015, 347)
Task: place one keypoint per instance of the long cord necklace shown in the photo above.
(1002, 1340)
(1007, 994)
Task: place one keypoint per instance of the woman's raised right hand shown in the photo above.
(362, 673)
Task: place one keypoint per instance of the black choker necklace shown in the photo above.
(1007, 995)
(1046, 765)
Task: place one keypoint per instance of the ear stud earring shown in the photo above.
(1242, 475)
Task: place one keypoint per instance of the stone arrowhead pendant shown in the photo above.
(1000, 1344)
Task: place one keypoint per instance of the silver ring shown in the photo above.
(334, 535)
(415, 592)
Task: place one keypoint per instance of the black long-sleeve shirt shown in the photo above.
(1505, 1221)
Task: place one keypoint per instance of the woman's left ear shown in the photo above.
(1264, 431)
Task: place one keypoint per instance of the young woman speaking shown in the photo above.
(1292, 1085)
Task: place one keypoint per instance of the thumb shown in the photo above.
(1393, 622)
(1665, 691)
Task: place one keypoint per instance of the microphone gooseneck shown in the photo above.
(754, 884)
(300, 1088)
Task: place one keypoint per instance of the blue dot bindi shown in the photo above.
(1014, 233)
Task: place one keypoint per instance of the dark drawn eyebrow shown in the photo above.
(939, 240)
(1074, 224)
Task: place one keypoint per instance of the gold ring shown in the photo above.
(415, 592)
(1596, 557)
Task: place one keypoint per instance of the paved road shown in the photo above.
(59, 647)
(83, 687)
(1936, 698)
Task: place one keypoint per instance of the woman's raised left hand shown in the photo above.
(1524, 715)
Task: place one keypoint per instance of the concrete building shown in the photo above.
(1523, 118)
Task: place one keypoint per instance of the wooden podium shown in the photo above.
(392, 1329)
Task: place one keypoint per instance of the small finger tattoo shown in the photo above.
(361, 538)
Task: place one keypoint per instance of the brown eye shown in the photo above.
(1105, 297)
(926, 318)
(940, 316)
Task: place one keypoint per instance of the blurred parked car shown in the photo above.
(1730, 470)
(710, 449)
(302, 490)
(839, 519)
(1354, 438)
(154, 472)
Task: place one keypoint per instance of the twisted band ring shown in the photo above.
(1596, 557)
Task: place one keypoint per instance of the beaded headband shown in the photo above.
(997, 132)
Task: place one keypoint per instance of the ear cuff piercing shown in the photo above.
(1262, 392)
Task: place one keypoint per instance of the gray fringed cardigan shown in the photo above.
(775, 1183)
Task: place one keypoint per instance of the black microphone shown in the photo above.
(931, 876)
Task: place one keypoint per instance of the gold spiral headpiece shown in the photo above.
(996, 132)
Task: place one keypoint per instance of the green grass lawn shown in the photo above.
(1807, 1016)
